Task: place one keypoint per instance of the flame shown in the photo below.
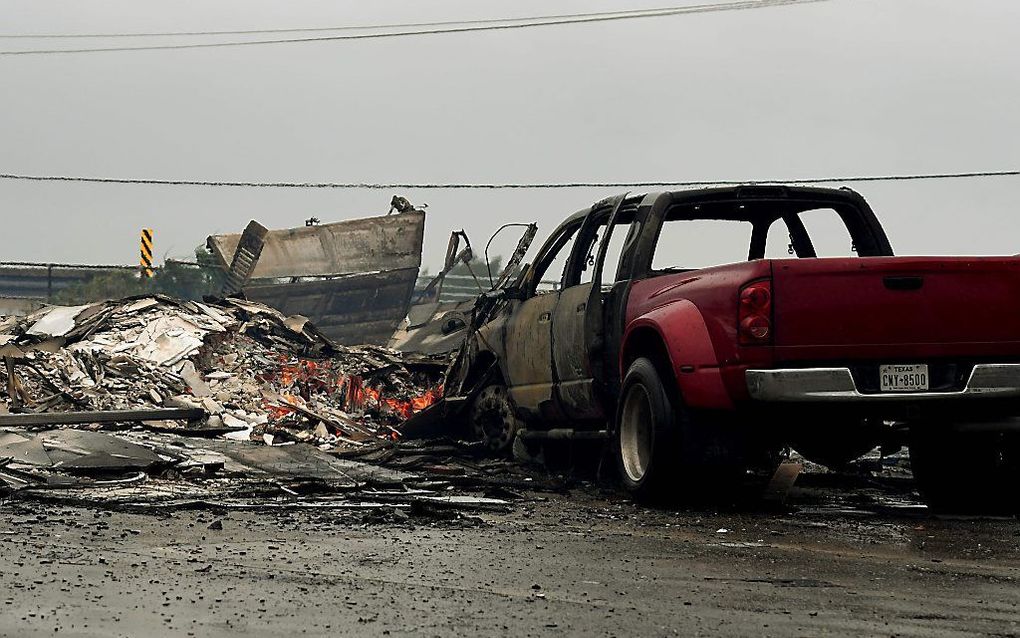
(360, 396)
(419, 403)
(300, 380)
(276, 411)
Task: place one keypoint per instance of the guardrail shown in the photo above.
(33, 280)
(42, 280)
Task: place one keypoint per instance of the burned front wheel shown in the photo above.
(493, 418)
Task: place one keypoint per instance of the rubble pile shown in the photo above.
(281, 416)
(254, 372)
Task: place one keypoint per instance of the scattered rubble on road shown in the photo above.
(273, 409)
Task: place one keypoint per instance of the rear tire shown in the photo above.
(647, 434)
(966, 473)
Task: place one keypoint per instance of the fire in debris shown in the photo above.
(360, 398)
(304, 380)
(247, 368)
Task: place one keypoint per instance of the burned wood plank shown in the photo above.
(12, 383)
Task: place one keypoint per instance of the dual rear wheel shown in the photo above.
(648, 432)
(666, 452)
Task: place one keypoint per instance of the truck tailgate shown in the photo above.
(897, 307)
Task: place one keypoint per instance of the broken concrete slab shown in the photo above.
(303, 461)
(24, 449)
(82, 450)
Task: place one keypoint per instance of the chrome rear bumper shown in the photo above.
(819, 385)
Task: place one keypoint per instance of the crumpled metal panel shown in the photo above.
(353, 246)
(434, 328)
(362, 273)
(351, 310)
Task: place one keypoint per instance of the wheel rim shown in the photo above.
(493, 418)
(636, 433)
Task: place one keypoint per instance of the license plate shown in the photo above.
(909, 378)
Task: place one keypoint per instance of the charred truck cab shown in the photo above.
(702, 353)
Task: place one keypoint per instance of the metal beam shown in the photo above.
(106, 416)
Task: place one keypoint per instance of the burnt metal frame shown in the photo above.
(785, 202)
(604, 329)
(645, 216)
(557, 241)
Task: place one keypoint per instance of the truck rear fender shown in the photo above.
(676, 339)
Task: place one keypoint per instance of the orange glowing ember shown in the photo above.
(299, 380)
(419, 403)
(360, 396)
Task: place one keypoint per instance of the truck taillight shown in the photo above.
(754, 318)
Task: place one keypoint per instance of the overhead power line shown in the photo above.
(464, 27)
(505, 185)
(367, 27)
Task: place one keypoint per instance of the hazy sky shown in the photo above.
(831, 88)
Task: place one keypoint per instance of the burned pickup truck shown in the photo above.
(811, 335)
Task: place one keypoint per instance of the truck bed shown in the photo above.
(896, 308)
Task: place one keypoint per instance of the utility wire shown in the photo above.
(505, 185)
(467, 27)
(369, 27)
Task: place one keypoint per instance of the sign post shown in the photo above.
(146, 253)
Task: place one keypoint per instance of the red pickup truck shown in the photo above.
(811, 335)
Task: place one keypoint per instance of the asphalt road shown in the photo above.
(583, 564)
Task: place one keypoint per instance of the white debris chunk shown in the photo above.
(141, 304)
(57, 322)
(194, 379)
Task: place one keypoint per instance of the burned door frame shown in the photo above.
(861, 223)
(527, 338)
(571, 357)
(606, 316)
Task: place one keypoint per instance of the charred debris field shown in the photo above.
(218, 468)
(404, 463)
(759, 376)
